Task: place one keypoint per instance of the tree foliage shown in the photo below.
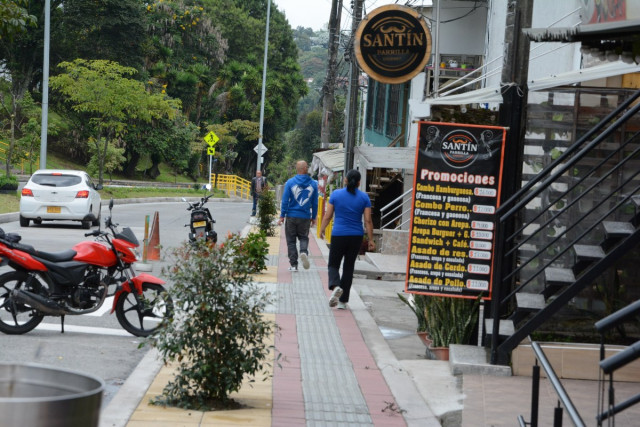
(14, 18)
(102, 90)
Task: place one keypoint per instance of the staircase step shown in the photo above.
(558, 276)
(384, 179)
(636, 200)
(530, 302)
(617, 229)
(588, 252)
(506, 327)
(374, 186)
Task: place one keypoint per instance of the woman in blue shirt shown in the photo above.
(349, 204)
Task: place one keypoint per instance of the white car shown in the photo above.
(54, 194)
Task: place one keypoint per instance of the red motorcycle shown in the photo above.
(77, 281)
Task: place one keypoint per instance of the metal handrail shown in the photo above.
(390, 205)
(557, 385)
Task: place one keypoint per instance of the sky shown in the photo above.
(315, 13)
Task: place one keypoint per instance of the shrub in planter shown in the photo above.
(451, 320)
(217, 335)
(255, 249)
(267, 212)
(8, 184)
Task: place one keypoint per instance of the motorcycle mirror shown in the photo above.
(110, 204)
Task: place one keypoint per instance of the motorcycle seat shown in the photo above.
(57, 256)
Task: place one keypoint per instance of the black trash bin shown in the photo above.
(42, 396)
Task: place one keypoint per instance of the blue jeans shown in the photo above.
(256, 196)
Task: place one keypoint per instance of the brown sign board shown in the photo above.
(393, 44)
(458, 177)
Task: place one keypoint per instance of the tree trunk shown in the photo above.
(329, 83)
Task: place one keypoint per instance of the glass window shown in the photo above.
(56, 180)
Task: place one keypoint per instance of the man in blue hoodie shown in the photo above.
(300, 207)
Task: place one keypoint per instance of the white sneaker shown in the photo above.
(293, 268)
(305, 260)
(342, 305)
(337, 292)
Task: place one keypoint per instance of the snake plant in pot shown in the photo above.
(451, 320)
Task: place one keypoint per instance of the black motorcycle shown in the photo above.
(201, 224)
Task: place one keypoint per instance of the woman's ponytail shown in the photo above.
(353, 180)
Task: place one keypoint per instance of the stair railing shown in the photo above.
(389, 212)
(511, 209)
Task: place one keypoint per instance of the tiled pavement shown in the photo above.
(329, 373)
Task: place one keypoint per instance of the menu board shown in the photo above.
(458, 176)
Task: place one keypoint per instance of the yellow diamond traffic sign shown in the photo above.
(211, 151)
(211, 139)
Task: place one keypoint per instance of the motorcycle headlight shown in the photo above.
(135, 253)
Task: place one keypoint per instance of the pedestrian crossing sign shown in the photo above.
(211, 138)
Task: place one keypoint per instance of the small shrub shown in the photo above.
(267, 212)
(217, 335)
(8, 182)
(255, 249)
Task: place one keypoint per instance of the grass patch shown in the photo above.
(136, 192)
(11, 202)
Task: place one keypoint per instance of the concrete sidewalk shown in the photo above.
(358, 367)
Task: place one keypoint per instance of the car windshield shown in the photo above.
(56, 180)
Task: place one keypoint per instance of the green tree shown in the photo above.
(232, 134)
(112, 160)
(101, 90)
(113, 30)
(14, 18)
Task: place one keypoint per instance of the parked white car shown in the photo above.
(53, 194)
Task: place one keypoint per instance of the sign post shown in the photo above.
(260, 149)
(211, 139)
(458, 177)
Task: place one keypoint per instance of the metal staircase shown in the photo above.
(380, 180)
(569, 223)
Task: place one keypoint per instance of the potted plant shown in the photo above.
(450, 321)
(418, 304)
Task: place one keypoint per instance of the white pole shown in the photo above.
(210, 160)
(264, 85)
(45, 86)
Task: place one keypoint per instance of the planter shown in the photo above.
(424, 337)
(440, 353)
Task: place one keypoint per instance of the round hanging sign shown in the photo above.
(393, 44)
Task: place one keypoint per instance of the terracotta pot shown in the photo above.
(441, 353)
(424, 336)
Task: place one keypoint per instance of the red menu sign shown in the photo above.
(458, 176)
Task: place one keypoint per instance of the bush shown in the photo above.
(8, 182)
(255, 249)
(218, 333)
(267, 212)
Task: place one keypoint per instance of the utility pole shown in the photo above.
(513, 116)
(351, 121)
(328, 96)
(260, 148)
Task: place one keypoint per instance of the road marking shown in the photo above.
(106, 307)
(84, 329)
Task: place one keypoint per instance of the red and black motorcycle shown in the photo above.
(77, 281)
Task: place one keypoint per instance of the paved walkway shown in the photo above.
(356, 367)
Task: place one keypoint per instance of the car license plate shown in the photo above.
(53, 209)
(199, 224)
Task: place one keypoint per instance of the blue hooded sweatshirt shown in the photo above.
(300, 198)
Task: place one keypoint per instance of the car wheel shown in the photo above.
(24, 222)
(86, 225)
(96, 222)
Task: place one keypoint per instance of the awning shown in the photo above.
(330, 161)
(478, 96)
(369, 157)
(587, 33)
(327, 162)
(586, 74)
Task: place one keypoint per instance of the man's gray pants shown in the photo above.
(296, 228)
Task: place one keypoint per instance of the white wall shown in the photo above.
(464, 35)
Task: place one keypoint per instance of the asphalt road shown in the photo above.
(95, 343)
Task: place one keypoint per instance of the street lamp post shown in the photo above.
(45, 86)
(260, 149)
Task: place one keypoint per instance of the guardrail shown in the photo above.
(233, 185)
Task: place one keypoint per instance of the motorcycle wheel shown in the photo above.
(15, 317)
(141, 315)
